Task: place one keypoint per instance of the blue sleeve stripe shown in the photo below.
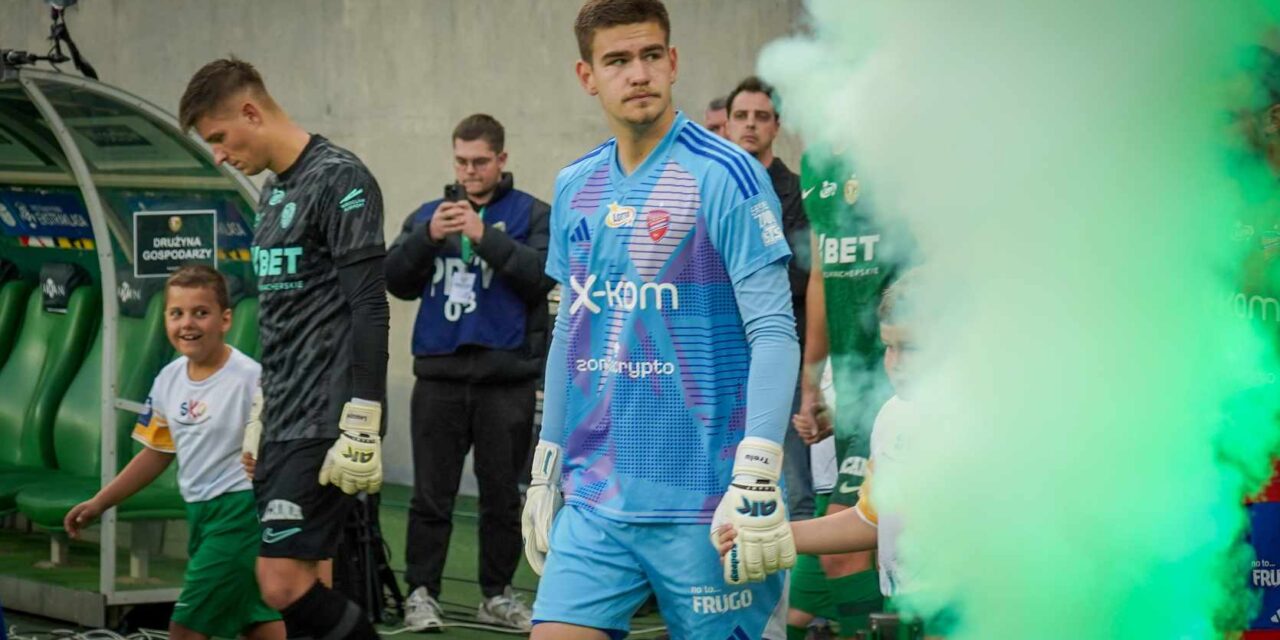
(697, 149)
(592, 153)
(734, 153)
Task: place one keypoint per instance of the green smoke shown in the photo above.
(1105, 394)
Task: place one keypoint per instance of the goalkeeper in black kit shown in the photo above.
(318, 251)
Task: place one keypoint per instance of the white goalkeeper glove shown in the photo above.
(354, 462)
(541, 503)
(252, 435)
(753, 505)
(253, 428)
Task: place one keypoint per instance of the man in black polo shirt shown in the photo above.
(753, 125)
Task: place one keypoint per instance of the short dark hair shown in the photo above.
(753, 84)
(214, 83)
(717, 104)
(603, 14)
(200, 276)
(481, 126)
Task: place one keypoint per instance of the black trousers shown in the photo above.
(448, 418)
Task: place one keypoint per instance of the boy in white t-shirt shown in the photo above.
(197, 411)
(864, 528)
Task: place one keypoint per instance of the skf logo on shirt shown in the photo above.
(620, 216)
(194, 409)
(828, 189)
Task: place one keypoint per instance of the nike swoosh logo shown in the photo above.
(271, 536)
(845, 488)
(805, 193)
(354, 193)
(180, 604)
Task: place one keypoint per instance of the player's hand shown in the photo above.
(249, 463)
(805, 425)
(354, 462)
(725, 537)
(541, 503)
(754, 508)
(824, 422)
(81, 516)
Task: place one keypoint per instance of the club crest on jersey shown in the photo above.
(851, 190)
(620, 216)
(658, 222)
(286, 216)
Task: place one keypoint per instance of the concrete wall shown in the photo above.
(389, 80)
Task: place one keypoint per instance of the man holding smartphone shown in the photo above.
(475, 259)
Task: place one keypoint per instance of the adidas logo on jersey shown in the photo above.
(282, 510)
(581, 232)
(622, 294)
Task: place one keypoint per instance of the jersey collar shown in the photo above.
(622, 183)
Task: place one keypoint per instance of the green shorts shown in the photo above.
(220, 594)
(848, 601)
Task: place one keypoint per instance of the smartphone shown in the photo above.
(453, 192)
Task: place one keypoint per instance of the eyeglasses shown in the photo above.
(474, 163)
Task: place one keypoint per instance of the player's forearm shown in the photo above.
(816, 345)
(764, 301)
(364, 286)
(141, 471)
(841, 532)
(556, 381)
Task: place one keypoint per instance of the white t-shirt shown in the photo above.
(203, 422)
(823, 466)
(890, 444)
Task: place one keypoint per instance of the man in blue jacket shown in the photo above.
(476, 260)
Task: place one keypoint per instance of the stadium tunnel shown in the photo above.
(100, 192)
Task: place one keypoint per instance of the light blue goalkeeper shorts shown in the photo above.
(600, 571)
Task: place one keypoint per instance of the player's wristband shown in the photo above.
(361, 416)
(546, 464)
(758, 458)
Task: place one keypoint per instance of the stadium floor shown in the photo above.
(19, 554)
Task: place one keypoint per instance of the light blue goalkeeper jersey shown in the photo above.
(656, 357)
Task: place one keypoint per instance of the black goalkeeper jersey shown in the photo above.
(323, 213)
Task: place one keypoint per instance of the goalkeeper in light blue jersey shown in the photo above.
(672, 364)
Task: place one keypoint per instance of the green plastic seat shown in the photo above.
(44, 360)
(13, 304)
(244, 327)
(143, 350)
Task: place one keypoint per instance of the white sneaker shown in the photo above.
(506, 610)
(422, 612)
